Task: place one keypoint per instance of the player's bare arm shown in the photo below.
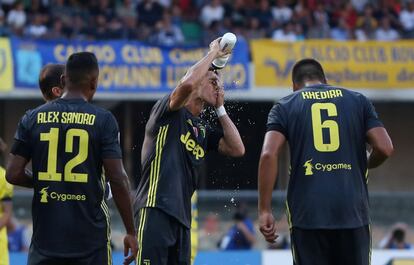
(7, 212)
(16, 172)
(118, 179)
(381, 144)
(268, 167)
(231, 143)
(194, 76)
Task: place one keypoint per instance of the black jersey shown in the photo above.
(174, 149)
(67, 141)
(326, 129)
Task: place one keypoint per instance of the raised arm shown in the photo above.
(194, 75)
(381, 144)
(115, 172)
(231, 143)
(268, 167)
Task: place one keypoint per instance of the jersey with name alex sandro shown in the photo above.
(67, 140)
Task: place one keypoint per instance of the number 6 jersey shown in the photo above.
(67, 140)
(326, 130)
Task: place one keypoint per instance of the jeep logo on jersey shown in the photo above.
(309, 167)
(192, 146)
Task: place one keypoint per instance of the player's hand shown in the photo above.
(267, 226)
(220, 94)
(131, 248)
(215, 48)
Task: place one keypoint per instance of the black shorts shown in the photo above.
(331, 247)
(162, 240)
(102, 256)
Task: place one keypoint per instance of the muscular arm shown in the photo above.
(7, 213)
(193, 77)
(268, 167)
(16, 172)
(118, 179)
(381, 144)
(231, 143)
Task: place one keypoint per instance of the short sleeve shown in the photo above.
(21, 145)
(6, 189)
(110, 148)
(213, 140)
(276, 121)
(371, 119)
(161, 107)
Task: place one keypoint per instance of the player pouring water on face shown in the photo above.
(175, 146)
(327, 129)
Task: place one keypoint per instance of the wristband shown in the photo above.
(221, 111)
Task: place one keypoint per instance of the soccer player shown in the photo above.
(327, 129)
(6, 208)
(68, 141)
(49, 81)
(51, 87)
(175, 146)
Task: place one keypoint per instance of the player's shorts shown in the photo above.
(102, 256)
(162, 239)
(331, 247)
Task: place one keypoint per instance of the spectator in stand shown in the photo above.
(213, 11)
(168, 34)
(287, 33)
(396, 238)
(126, 9)
(61, 11)
(78, 29)
(385, 32)
(214, 31)
(263, 14)
(236, 15)
(318, 25)
(57, 31)
(350, 15)
(37, 28)
(342, 31)
(241, 235)
(254, 30)
(367, 24)
(16, 18)
(4, 30)
(281, 12)
(150, 12)
(407, 20)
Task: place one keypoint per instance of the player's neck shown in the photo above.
(312, 83)
(195, 106)
(73, 94)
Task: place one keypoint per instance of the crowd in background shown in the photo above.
(174, 22)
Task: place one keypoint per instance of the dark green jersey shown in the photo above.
(174, 149)
(67, 141)
(326, 129)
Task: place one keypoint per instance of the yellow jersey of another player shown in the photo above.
(6, 193)
(194, 227)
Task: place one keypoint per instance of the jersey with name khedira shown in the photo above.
(67, 140)
(326, 128)
(174, 149)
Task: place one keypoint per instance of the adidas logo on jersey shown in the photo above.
(192, 146)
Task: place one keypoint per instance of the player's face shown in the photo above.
(209, 88)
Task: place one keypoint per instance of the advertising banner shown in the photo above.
(130, 66)
(353, 64)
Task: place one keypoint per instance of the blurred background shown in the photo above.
(144, 48)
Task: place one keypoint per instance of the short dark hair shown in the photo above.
(307, 69)
(81, 66)
(49, 78)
